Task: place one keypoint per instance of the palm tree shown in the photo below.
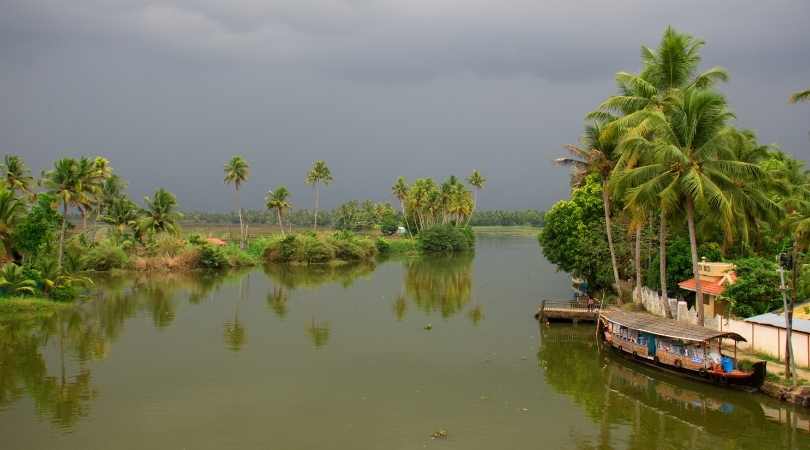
(160, 215)
(400, 191)
(121, 213)
(65, 182)
(278, 200)
(477, 181)
(11, 209)
(667, 70)
(13, 280)
(801, 96)
(596, 156)
(319, 174)
(237, 172)
(17, 175)
(688, 162)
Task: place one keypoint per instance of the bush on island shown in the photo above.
(446, 239)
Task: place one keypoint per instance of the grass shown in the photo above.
(29, 308)
(518, 230)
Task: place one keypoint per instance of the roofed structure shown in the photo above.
(666, 327)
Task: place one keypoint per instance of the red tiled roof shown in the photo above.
(216, 241)
(710, 285)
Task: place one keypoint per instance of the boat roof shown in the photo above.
(660, 326)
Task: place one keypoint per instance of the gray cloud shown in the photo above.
(169, 89)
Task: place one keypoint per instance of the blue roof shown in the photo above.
(778, 320)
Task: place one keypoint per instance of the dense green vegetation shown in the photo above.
(662, 178)
(50, 244)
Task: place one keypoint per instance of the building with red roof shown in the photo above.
(715, 277)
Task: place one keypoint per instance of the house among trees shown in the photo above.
(715, 277)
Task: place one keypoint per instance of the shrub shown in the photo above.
(382, 246)
(211, 257)
(445, 239)
(315, 251)
(389, 224)
(349, 247)
(165, 244)
(237, 257)
(105, 256)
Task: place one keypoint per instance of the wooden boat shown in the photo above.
(686, 349)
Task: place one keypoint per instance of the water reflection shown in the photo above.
(653, 407)
(319, 332)
(277, 300)
(441, 284)
(298, 276)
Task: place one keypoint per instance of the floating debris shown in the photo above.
(429, 326)
(525, 409)
(441, 434)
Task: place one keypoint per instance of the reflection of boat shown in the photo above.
(683, 348)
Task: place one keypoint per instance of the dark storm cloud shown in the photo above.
(170, 89)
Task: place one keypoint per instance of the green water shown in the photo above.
(340, 358)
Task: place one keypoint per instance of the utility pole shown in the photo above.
(789, 261)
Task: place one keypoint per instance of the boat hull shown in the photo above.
(748, 381)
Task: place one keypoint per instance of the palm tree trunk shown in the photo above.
(608, 229)
(638, 262)
(62, 237)
(662, 262)
(84, 218)
(690, 218)
(280, 223)
(241, 222)
(317, 200)
(405, 217)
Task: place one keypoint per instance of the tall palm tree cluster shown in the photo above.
(665, 153)
(87, 186)
(426, 204)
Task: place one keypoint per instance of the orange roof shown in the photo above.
(215, 241)
(710, 285)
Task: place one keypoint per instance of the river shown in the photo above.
(375, 356)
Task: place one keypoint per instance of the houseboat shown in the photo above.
(689, 350)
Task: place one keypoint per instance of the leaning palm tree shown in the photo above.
(319, 174)
(160, 215)
(595, 156)
(687, 161)
(400, 191)
(801, 96)
(16, 174)
(11, 210)
(278, 200)
(237, 172)
(65, 182)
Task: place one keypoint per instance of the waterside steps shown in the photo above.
(566, 311)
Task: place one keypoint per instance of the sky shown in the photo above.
(170, 90)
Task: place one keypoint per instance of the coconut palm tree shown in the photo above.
(319, 174)
(595, 156)
(667, 70)
(477, 181)
(160, 214)
(400, 190)
(801, 96)
(121, 213)
(16, 174)
(278, 200)
(237, 172)
(688, 162)
(65, 182)
(11, 210)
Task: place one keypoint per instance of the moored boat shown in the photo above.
(687, 349)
